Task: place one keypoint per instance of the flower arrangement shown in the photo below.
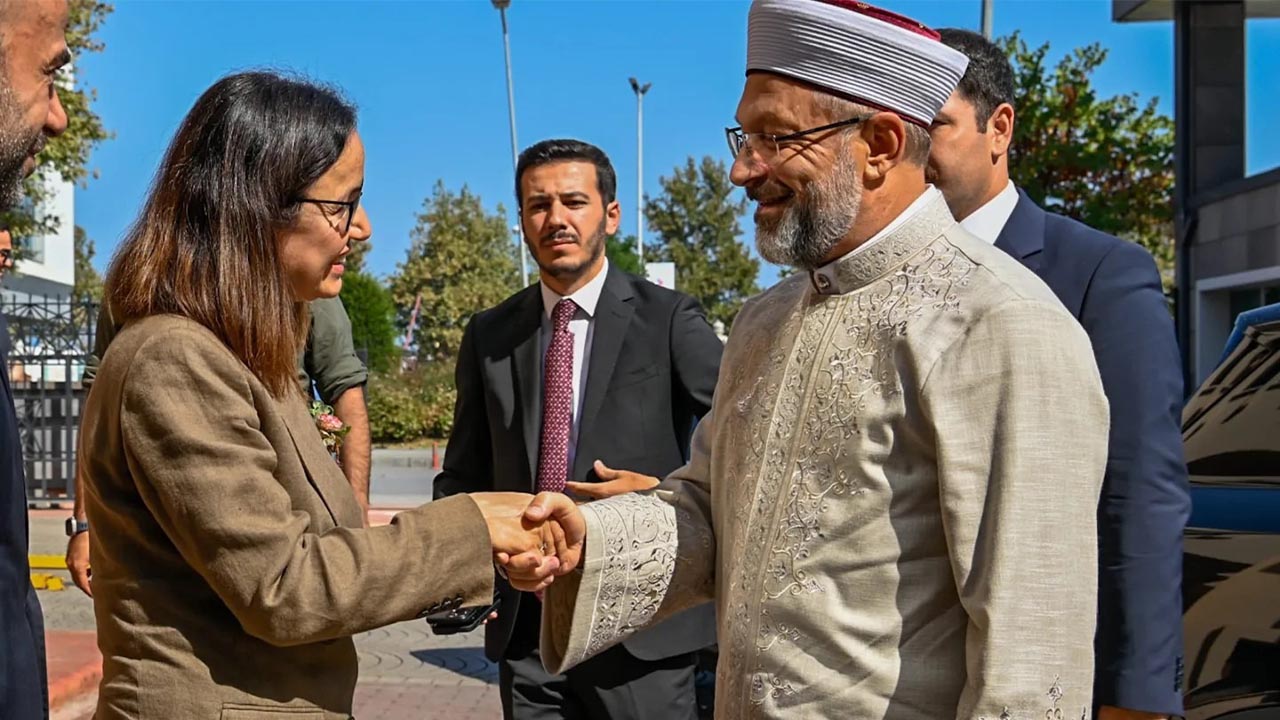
(332, 429)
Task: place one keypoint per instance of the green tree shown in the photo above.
(372, 315)
(356, 258)
(67, 156)
(695, 219)
(88, 284)
(461, 261)
(1107, 162)
(621, 252)
(87, 287)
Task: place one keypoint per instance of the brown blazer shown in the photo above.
(230, 568)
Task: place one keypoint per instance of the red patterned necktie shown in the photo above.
(557, 401)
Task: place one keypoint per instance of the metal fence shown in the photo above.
(51, 339)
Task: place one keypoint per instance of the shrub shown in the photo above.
(411, 405)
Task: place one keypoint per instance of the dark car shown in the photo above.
(1231, 582)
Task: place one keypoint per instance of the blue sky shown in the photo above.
(429, 81)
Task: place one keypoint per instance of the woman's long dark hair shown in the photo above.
(204, 245)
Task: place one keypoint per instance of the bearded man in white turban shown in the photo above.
(892, 501)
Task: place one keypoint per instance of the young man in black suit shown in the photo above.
(588, 369)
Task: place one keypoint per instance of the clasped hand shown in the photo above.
(535, 539)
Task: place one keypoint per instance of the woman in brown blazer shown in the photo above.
(230, 563)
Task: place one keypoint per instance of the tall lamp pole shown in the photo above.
(640, 90)
(987, 13)
(502, 6)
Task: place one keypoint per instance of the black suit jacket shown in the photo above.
(1113, 288)
(651, 374)
(23, 686)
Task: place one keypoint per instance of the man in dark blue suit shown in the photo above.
(1113, 288)
(32, 49)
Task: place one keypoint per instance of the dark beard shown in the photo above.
(11, 175)
(15, 145)
(595, 244)
(811, 247)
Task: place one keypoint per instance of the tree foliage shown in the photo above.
(88, 283)
(621, 252)
(356, 258)
(461, 260)
(695, 220)
(1107, 162)
(409, 405)
(372, 314)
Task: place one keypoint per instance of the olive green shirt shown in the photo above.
(328, 361)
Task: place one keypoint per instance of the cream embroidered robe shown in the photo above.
(892, 501)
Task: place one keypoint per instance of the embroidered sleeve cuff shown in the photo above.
(630, 560)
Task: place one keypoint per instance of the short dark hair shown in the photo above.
(564, 150)
(204, 244)
(988, 81)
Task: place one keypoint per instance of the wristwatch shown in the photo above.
(75, 527)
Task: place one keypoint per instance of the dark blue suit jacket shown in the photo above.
(1113, 288)
(23, 687)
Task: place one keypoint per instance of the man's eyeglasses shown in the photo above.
(337, 209)
(765, 145)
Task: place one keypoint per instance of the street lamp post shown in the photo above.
(987, 13)
(502, 6)
(640, 90)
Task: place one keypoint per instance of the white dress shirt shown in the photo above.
(989, 220)
(582, 326)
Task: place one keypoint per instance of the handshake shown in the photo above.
(535, 539)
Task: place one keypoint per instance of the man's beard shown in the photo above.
(594, 245)
(815, 223)
(16, 144)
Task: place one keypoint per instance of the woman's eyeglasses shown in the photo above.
(339, 206)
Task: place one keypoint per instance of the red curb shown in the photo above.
(75, 665)
(382, 516)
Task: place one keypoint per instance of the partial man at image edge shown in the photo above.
(33, 49)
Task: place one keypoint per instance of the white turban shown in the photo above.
(852, 49)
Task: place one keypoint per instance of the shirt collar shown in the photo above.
(825, 278)
(587, 297)
(989, 220)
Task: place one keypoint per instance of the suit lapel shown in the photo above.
(527, 380)
(613, 317)
(322, 471)
(1023, 234)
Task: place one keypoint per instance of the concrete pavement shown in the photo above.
(402, 478)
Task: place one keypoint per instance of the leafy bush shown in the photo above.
(411, 405)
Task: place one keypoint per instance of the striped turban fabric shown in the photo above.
(868, 55)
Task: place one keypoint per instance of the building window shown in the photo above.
(32, 248)
(1245, 299)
